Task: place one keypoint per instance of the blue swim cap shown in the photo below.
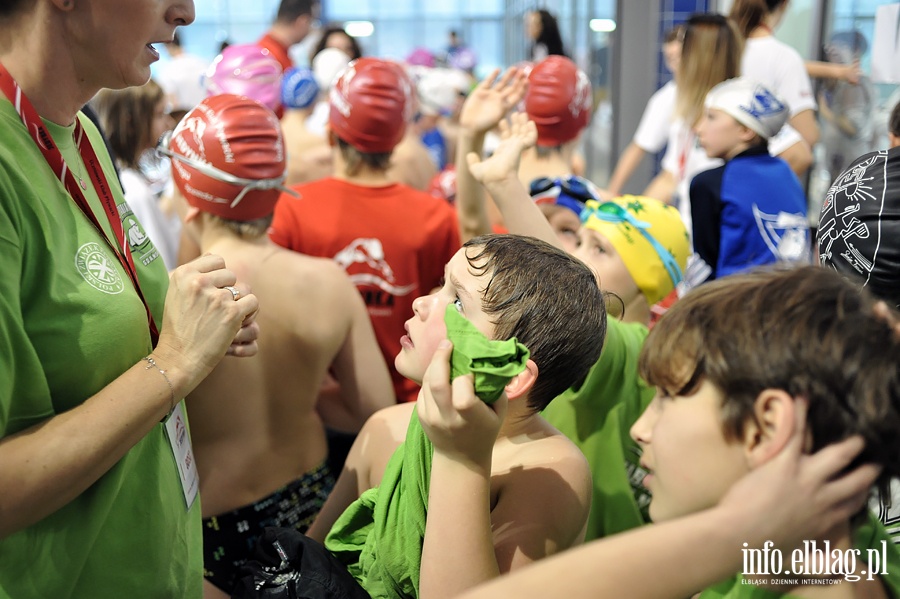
(299, 88)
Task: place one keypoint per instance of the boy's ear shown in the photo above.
(522, 382)
(748, 135)
(192, 213)
(330, 136)
(772, 426)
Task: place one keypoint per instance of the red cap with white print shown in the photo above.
(228, 157)
(558, 100)
(372, 100)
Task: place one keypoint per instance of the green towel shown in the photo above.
(379, 536)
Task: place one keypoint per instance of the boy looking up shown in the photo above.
(505, 488)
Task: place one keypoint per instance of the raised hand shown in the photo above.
(492, 99)
(457, 422)
(517, 135)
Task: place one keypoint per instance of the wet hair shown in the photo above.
(711, 54)
(126, 117)
(323, 40)
(807, 331)
(546, 299)
(750, 14)
(894, 122)
(290, 10)
(354, 159)
(549, 35)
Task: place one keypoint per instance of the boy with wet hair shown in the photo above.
(501, 488)
(806, 336)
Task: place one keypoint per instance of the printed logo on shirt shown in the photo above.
(368, 254)
(142, 249)
(98, 268)
(785, 234)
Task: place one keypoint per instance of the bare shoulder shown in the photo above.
(548, 449)
(544, 480)
(311, 275)
(380, 437)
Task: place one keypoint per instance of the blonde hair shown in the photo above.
(711, 54)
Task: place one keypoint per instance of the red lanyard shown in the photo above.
(57, 163)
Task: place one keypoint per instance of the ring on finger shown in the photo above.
(235, 294)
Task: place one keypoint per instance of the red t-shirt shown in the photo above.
(393, 241)
(277, 50)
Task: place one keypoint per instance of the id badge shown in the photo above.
(180, 442)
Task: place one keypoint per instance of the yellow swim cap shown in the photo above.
(649, 236)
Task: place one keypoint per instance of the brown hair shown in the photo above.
(380, 161)
(546, 299)
(807, 331)
(750, 14)
(126, 117)
(327, 33)
(711, 54)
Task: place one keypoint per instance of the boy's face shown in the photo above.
(690, 463)
(427, 328)
(721, 135)
(595, 250)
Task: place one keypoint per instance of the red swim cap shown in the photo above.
(558, 100)
(228, 157)
(371, 102)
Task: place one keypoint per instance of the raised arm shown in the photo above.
(484, 108)
(499, 176)
(458, 550)
(44, 467)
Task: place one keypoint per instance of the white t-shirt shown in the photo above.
(653, 131)
(182, 80)
(782, 69)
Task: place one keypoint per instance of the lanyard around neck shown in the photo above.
(38, 131)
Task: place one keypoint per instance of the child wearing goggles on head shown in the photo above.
(597, 414)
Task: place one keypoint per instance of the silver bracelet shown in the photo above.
(151, 363)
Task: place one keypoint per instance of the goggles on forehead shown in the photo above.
(246, 185)
(613, 213)
(571, 192)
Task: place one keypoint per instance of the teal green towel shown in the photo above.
(379, 536)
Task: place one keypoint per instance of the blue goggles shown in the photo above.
(612, 212)
(571, 192)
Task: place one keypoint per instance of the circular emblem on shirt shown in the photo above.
(98, 268)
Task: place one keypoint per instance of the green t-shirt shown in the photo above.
(597, 417)
(868, 536)
(70, 323)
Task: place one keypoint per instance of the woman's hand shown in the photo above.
(204, 320)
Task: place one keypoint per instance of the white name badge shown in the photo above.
(180, 441)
